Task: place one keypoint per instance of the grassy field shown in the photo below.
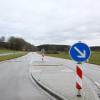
(2, 51)
(14, 54)
(95, 57)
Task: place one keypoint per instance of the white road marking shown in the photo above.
(66, 70)
(36, 70)
(98, 85)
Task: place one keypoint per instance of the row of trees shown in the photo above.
(62, 48)
(54, 48)
(15, 43)
(95, 48)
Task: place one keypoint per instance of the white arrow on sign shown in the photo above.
(82, 54)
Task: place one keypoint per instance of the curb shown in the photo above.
(48, 90)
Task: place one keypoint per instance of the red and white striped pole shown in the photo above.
(42, 57)
(79, 75)
(42, 52)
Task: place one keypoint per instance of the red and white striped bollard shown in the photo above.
(42, 57)
(79, 75)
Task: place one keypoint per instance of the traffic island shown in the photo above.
(60, 81)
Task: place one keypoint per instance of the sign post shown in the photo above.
(42, 52)
(80, 52)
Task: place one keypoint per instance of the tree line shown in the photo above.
(15, 43)
(51, 48)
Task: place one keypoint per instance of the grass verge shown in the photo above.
(94, 59)
(11, 56)
(2, 51)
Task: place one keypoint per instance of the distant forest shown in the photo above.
(15, 43)
(61, 48)
(50, 48)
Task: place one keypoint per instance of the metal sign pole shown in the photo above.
(42, 52)
(42, 57)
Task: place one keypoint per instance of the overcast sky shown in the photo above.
(51, 21)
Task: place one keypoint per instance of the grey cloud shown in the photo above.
(51, 21)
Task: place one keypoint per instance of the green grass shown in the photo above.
(11, 56)
(60, 55)
(95, 57)
(2, 51)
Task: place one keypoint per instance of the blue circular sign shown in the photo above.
(80, 52)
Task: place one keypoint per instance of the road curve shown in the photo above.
(15, 83)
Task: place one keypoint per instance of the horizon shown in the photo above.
(6, 39)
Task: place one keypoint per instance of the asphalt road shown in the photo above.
(46, 71)
(89, 70)
(15, 83)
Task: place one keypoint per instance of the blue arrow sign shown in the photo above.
(80, 52)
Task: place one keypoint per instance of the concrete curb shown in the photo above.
(48, 90)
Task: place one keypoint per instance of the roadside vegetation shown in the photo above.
(19, 47)
(14, 47)
(11, 56)
(4, 51)
(94, 59)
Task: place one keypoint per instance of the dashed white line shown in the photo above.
(98, 85)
